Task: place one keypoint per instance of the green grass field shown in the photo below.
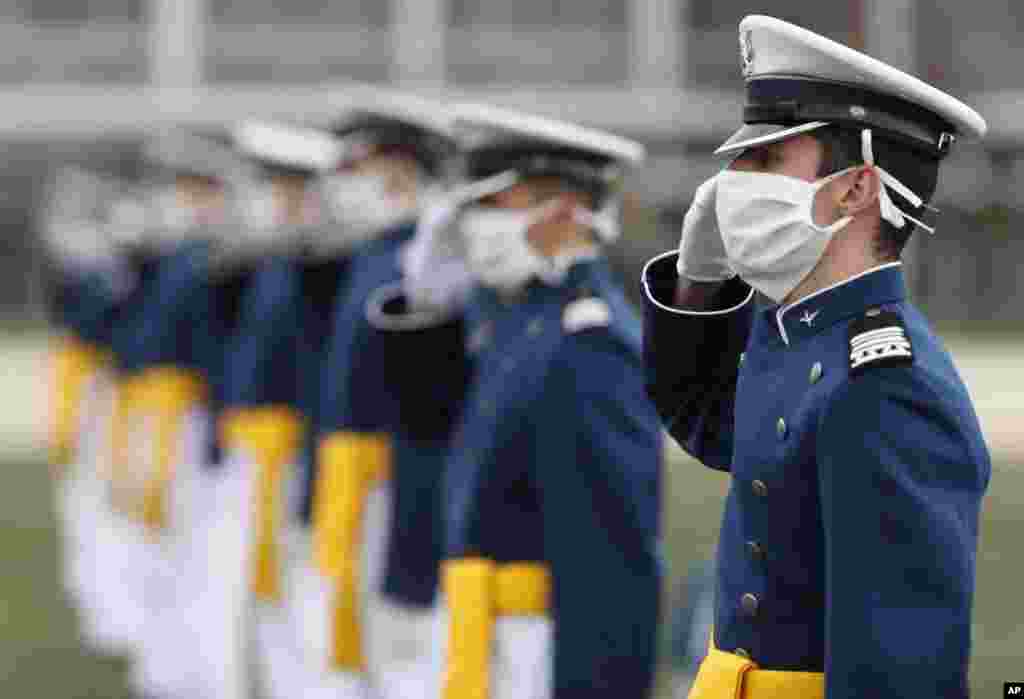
(40, 656)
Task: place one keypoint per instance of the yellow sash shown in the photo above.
(165, 395)
(74, 363)
(478, 590)
(119, 468)
(350, 465)
(271, 436)
(725, 675)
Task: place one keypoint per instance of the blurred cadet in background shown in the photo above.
(552, 478)
(87, 276)
(262, 425)
(369, 585)
(846, 428)
(194, 181)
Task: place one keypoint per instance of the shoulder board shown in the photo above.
(588, 312)
(878, 338)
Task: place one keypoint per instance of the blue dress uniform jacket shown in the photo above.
(322, 285)
(177, 331)
(133, 309)
(355, 400)
(850, 530)
(181, 332)
(83, 302)
(262, 364)
(555, 459)
(228, 291)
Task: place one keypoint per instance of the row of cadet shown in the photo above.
(357, 410)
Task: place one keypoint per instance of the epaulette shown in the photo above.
(586, 310)
(878, 338)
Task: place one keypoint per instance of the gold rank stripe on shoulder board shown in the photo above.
(590, 312)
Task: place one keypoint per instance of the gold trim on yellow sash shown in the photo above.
(725, 675)
(476, 591)
(350, 465)
(271, 436)
(166, 395)
(74, 363)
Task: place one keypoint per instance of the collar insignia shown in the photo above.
(809, 317)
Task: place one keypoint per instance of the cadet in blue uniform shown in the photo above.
(83, 268)
(123, 554)
(374, 569)
(265, 418)
(551, 574)
(846, 557)
(174, 348)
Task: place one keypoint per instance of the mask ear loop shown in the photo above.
(890, 212)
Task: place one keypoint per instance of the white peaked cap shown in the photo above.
(187, 151)
(483, 123)
(302, 148)
(797, 81)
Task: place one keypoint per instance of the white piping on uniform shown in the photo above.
(785, 309)
(683, 311)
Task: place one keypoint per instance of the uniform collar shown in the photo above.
(564, 264)
(578, 272)
(826, 307)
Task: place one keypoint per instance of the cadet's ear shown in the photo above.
(861, 192)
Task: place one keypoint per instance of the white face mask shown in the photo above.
(259, 208)
(768, 230)
(362, 206)
(497, 251)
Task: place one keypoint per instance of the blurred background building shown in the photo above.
(96, 75)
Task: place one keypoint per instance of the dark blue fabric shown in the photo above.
(323, 286)
(263, 357)
(86, 305)
(555, 459)
(412, 569)
(866, 503)
(227, 296)
(176, 331)
(355, 398)
(133, 311)
(692, 363)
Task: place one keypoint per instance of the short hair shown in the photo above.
(916, 169)
(550, 186)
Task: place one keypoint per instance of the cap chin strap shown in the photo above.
(890, 212)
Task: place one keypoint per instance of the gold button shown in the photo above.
(780, 427)
(743, 355)
(816, 372)
(749, 603)
(534, 327)
(742, 652)
(487, 406)
(755, 550)
(759, 488)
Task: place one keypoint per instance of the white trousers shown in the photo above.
(174, 573)
(521, 660)
(101, 547)
(78, 491)
(397, 639)
(220, 607)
